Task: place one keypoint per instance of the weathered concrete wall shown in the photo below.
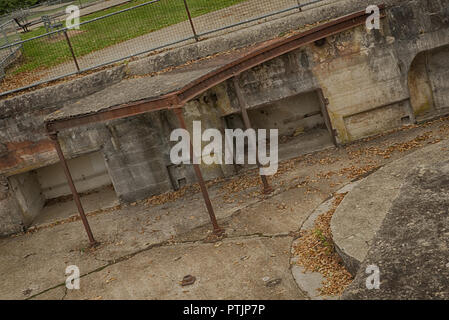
(29, 195)
(438, 75)
(421, 93)
(428, 83)
(364, 75)
(89, 172)
(11, 219)
(210, 108)
(287, 115)
(367, 77)
(23, 142)
(136, 158)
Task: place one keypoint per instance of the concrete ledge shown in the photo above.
(56, 95)
(310, 282)
(361, 213)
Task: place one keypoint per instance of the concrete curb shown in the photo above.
(310, 282)
(361, 213)
(58, 94)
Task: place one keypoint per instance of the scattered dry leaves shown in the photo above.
(172, 196)
(315, 252)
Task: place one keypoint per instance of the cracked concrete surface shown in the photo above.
(146, 250)
(360, 215)
(159, 271)
(411, 247)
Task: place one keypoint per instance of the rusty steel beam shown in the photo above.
(76, 197)
(217, 230)
(117, 112)
(263, 52)
(243, 107)
(272, 50)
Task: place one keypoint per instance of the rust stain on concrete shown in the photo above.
(17, 151)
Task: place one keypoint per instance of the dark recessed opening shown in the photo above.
(182, 182)
(405, 120)
(320, 42)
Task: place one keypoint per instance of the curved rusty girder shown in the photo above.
(261, 53)
(257, 55)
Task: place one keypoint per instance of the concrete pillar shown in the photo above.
(136, 158)
(11, 220)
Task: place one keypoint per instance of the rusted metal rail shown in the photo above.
(176, 100)
(262, 53)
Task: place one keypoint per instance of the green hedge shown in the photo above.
(10, 5)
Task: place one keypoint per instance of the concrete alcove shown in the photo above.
(299, 119)
(427, 82)
(44, 196)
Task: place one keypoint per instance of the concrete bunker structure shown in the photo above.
(354, 84)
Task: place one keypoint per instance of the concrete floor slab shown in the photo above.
(102, 199)
(308, 281)
(232, 269)
(151, 237)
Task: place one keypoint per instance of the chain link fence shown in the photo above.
(8, 35)
(125, 29)
(32, 16)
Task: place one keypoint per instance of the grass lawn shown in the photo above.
(38, 15)
(47, 52)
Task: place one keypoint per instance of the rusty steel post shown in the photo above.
(76, 197)
(243, 105)
(199, 176)
(191, 21)
(324, 112)
(71, 50)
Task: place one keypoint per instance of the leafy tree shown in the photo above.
(11, 5)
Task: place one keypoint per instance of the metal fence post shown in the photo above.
(71, 50)
(6, 39)
(191, 21)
